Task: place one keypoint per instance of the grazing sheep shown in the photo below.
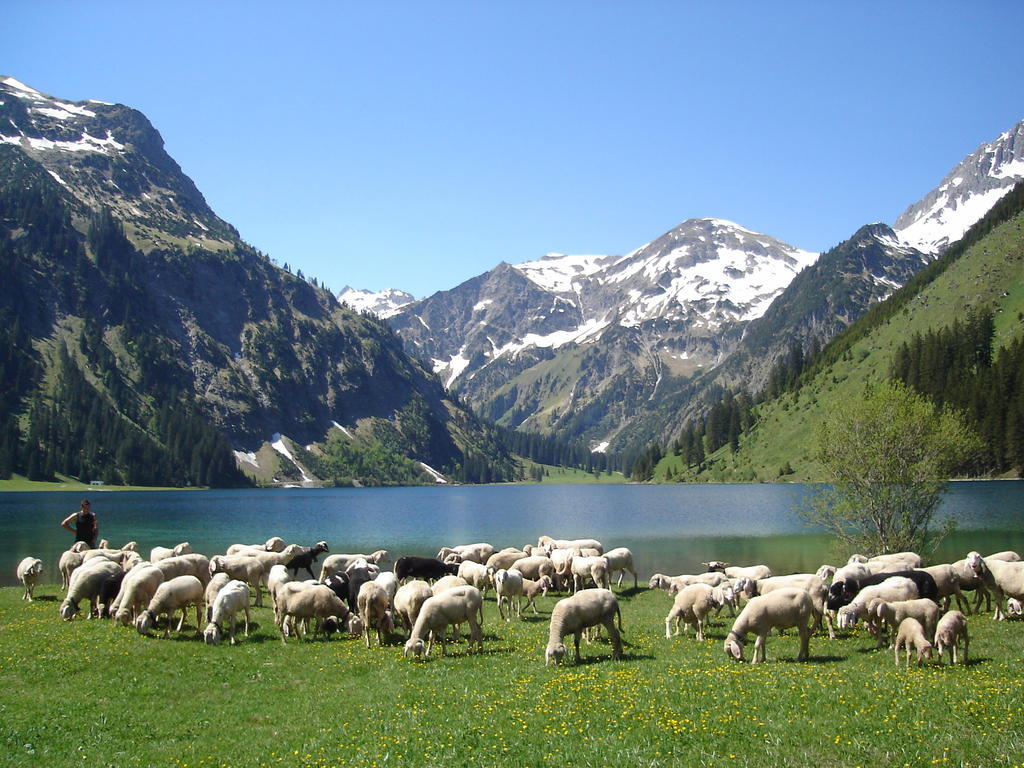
(571, 615)
(533, 589)
(176, 594)
(312, 602)
(217, 583)
(447, 582)
(809, 582)
(950, 632)
(305, 557)
(137, 589)
(586, 569)
(161, 553)
(453, 607)
(338, 563)
(480, 576)
(562, 560)
(692, 605)
(232, 598)
(67, 564)
(28, 573)
(672, 584)
(843, 591)
(375, 608)
(893, 614)
(893, 561)
(892, 589)
(109, 590)
(620, 560)
(736, 571)
(409, 599)
(476, 553)
(911, 633)
(726, 595)
(85, 584)
(428, 568)
(947, 584)
(1014, 607)
(1002, 578)
(186, 565)
(245, 568)
(534, 566)
(549, 544)
(277, 576)
(781, 609)
(273, 544)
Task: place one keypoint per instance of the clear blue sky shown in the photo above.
(416, 144)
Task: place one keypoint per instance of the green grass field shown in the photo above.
(90, 693)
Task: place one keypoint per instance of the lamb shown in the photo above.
(429, 568)
(409, 599)
(508, 583)
(477, 553)
(533, 589)
(176, 594)
(725, 595)
(620, 560)
(160, 553)
(692, 605)
(893, 614)
(232, 598)
(549, 544)
(28, 573)
(1002, 578)
(312, 602)
(251, 570)
(137, 590)
(950, 632)
(781, 609)
(305, 557)
(375, 607)
(911, 633)
(85, 584)
(589, 568)
(338, 563)
(453, 607)
(572, 615)
(480, 576)
(217, 583)
(672, 584)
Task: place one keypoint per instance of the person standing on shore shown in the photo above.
(86, 528)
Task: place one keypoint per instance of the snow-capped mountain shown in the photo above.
(965, 195)
(381, 303)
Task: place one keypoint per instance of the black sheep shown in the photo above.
(842, 592)
(413, 567)
(108, 591)
(305, 558)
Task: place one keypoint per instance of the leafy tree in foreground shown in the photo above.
(889, 455)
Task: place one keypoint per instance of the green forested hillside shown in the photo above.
(978, 283)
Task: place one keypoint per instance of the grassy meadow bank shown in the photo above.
(97, 694)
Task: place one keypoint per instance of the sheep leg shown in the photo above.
(576, 644)
(246, 609)
(805, 643)
(699, 626)
(759, 649)
(613, 635)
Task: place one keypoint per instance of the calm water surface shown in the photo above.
(670, 529)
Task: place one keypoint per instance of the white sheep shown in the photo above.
(911, 634)
(273, 544)
(893, 613)
(278, 575)
(452, 607)
(947, 584)
(534, 589)
(505, 559)
(892, 561)
(389, 581)
(480, 576)
(972, 582)
(28, 573)
(672, 584)
(781, 609)
(476, 553)
(409, 599)
(572, 615)
(67, 564)
(337, 563)
(692, 605)
(161, 553)
(1002, 578)
(620, 560)
(217, 583)
(508, 584)
(232, 598)
(549, 544)
(810, 582)
(312, 602)
(137, 589)
(186, 565)
(375, 608)
(1014, 607)
(586, 569)
(447, 582)
(176, 594)
(892, 589)
(951, 632)
(245, 568)
(85, 584)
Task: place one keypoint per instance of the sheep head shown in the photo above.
(976, 562)
(734, 647)
(144, 622)
(716, 565)
(415, 647)
(68, 610)
(211, 635)
(554, 654)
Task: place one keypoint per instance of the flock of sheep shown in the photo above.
(897, 598)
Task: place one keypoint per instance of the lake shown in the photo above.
(669, 528)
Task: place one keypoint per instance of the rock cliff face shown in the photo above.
(965, 195)
(103, 232)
